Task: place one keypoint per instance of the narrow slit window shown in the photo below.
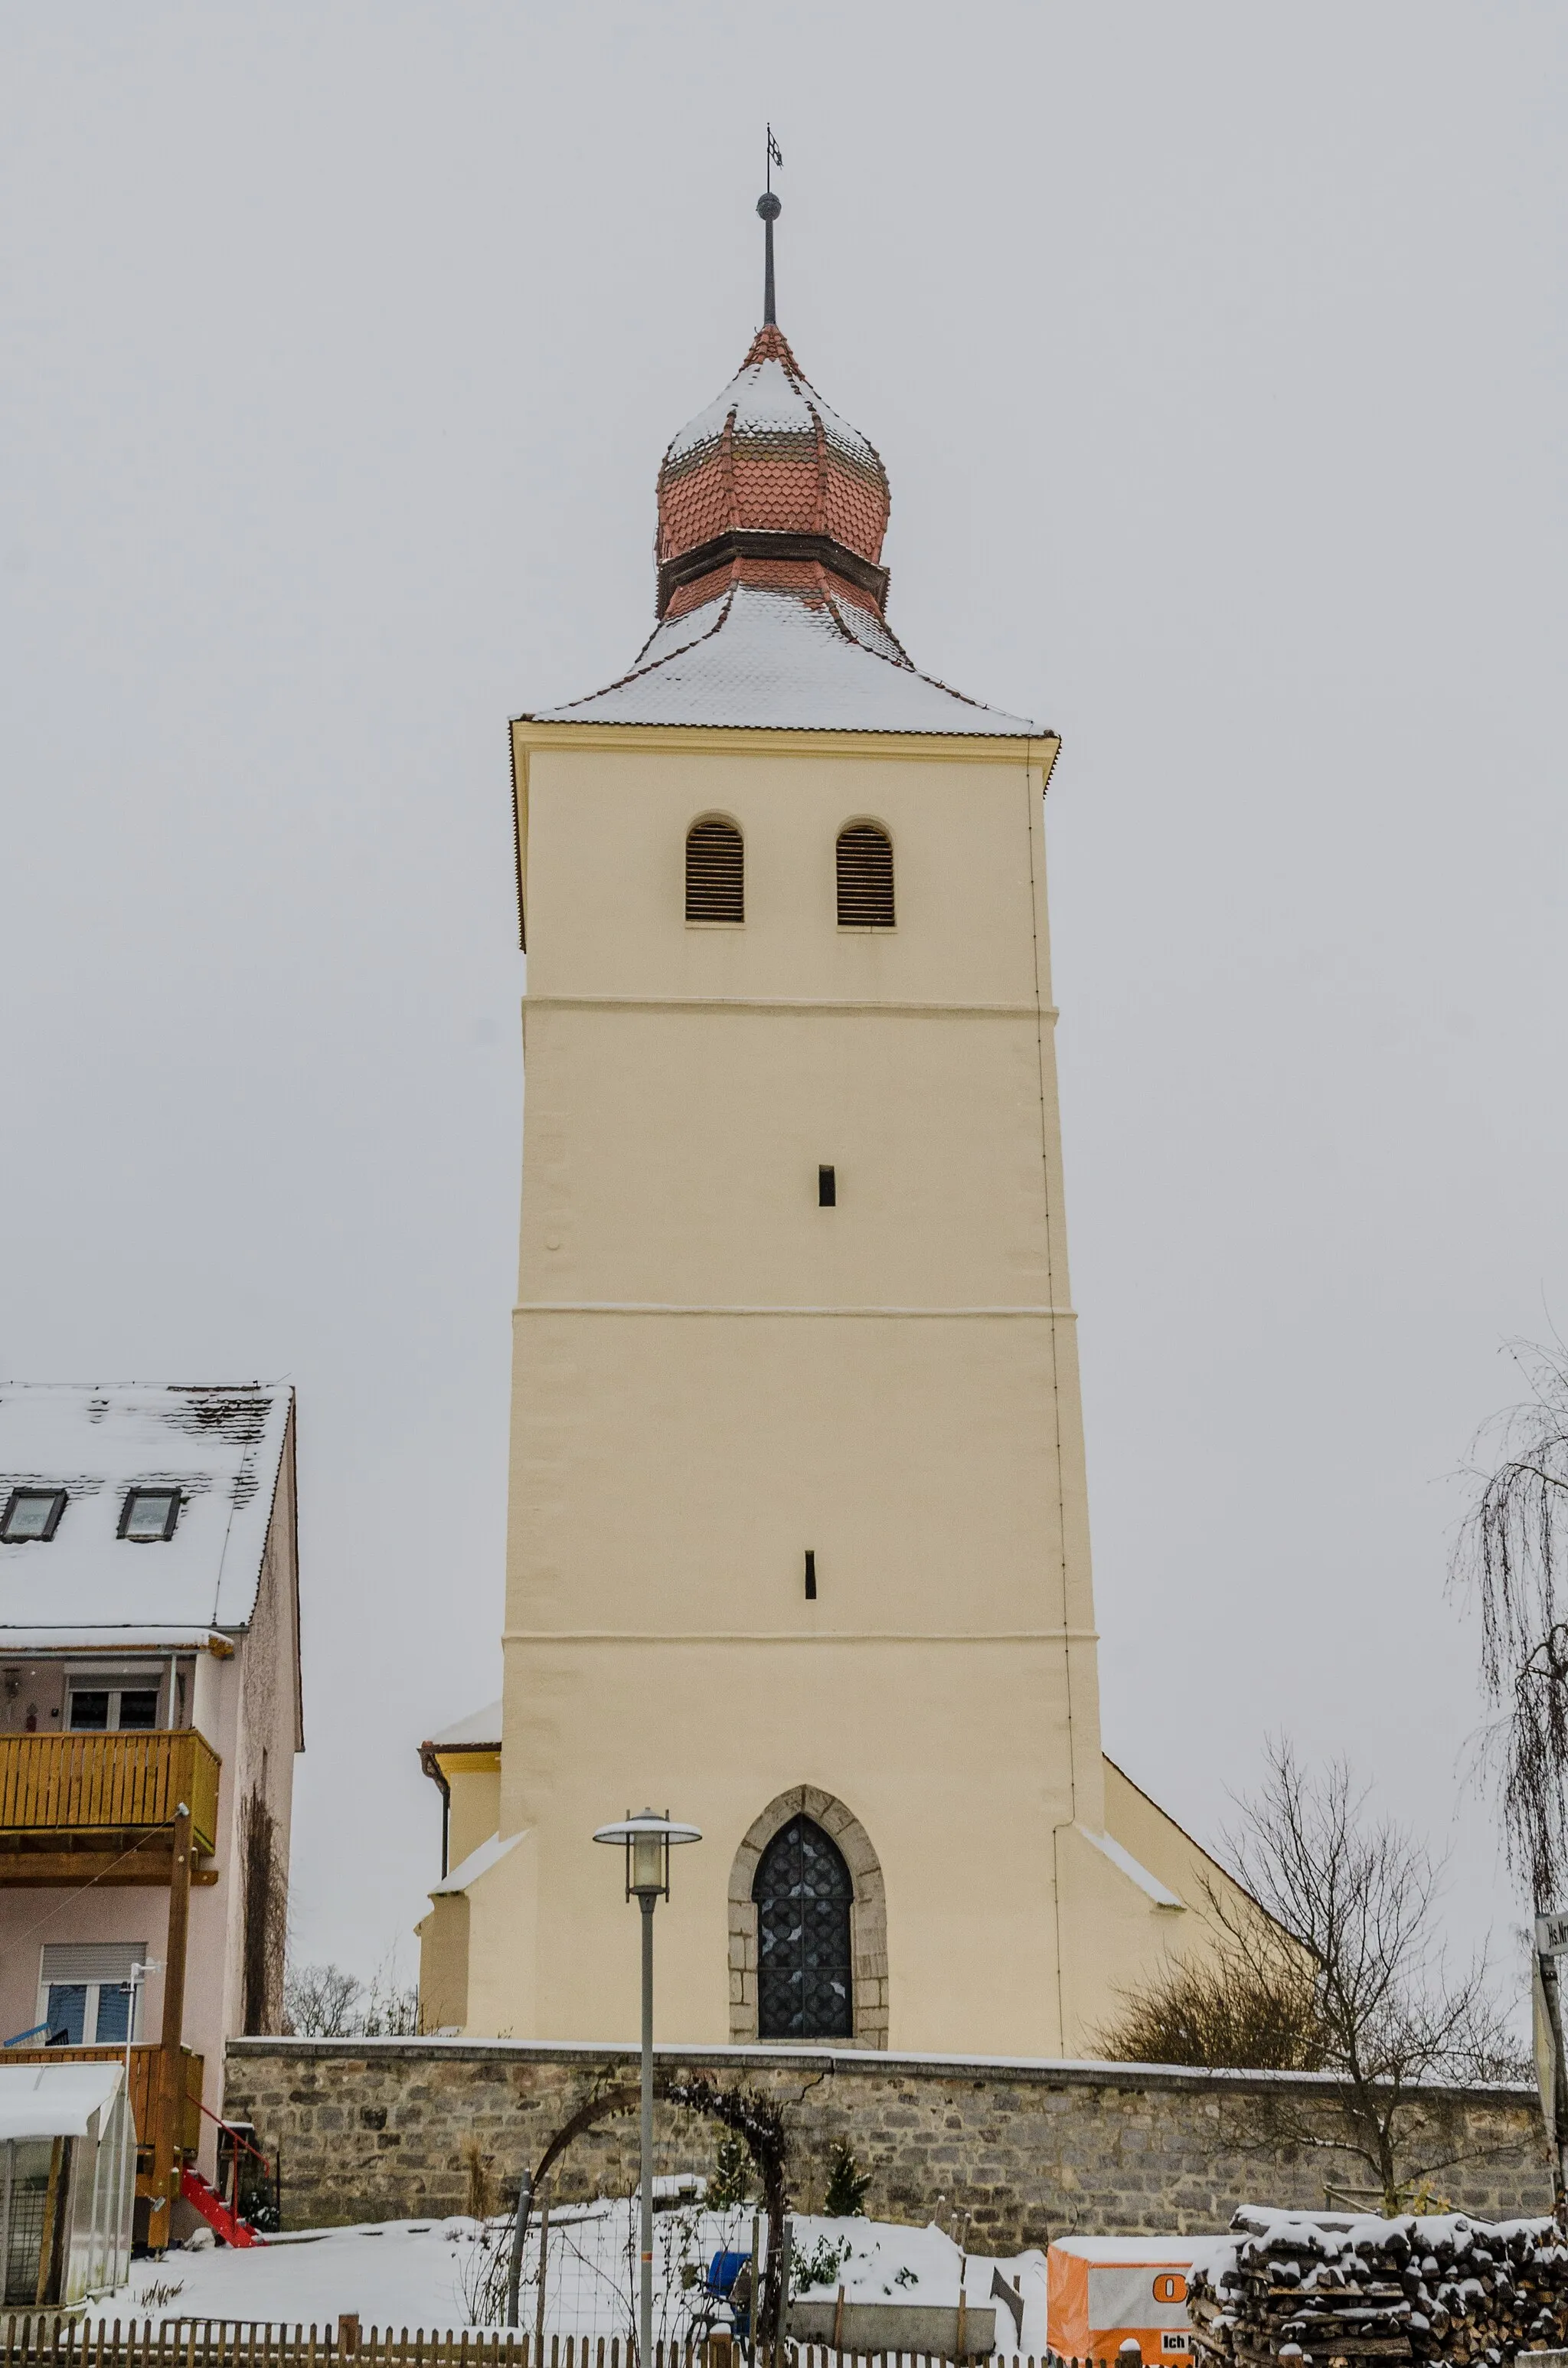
(715, 872)
(865, 878)
(811, 1575)
(827, 1187)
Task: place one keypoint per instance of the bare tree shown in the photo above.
(1332, 1963)
(319, 2003)
(325, 2003)
(1359, 1898)
(1512, 1558)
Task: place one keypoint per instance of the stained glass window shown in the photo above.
(803, 1891)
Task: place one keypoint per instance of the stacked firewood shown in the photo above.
(1336, 2293)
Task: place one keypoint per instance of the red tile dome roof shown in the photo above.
(769, 488)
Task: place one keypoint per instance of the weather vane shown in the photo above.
(769, 207)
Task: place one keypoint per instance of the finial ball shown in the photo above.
(768, 206)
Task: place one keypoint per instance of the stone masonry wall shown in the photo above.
(378, 2129)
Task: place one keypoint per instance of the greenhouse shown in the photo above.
(67, 2181)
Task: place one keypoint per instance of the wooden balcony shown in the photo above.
(80, 1807)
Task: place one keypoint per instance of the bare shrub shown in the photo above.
(479, 2188)
(1241, 2010)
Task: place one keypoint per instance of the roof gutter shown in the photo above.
(432, 1767)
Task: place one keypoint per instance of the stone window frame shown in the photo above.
(868, 1916)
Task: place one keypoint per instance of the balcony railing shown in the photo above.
(83, 1785)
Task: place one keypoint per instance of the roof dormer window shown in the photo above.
(148, 1515)
(32, 1513)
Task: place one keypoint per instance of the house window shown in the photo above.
(865, 878)
(803, 1892)
(105, 1707)
(32, 1513)
(149, 1514)
(84, 1992)
(715, 872)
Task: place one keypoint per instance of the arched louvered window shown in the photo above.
(715, 871)
(803, 1891)
(865, 878)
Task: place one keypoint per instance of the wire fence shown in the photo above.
(580, 2267)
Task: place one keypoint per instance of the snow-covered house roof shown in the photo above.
(222, 1450)
(480, 1731)
(771, 591)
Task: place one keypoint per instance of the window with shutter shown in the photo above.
(715, 872)
(865, 878)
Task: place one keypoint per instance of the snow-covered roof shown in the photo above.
(772, 597)
(766, 398)
(54, 2101)
(766, 660)
(223, 1450)
(480, 1731)
(478, 1861)
(1149, 1884)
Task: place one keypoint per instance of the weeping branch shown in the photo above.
(1511, 1559)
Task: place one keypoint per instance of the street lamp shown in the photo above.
(646, 1840)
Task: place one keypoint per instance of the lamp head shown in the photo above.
(646, 1839)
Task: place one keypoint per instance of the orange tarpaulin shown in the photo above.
(1103, 2292)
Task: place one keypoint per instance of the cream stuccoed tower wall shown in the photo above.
(717, 1376)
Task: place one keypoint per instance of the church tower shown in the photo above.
(799, 1543)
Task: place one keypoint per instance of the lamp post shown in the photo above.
(646, 1840)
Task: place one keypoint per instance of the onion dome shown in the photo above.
(771, 488)
(772, 591)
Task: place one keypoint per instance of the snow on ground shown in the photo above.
(431, 2273)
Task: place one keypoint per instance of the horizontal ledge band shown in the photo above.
(1035, 751)
(798, 1636)
(660, 1307)
(789, 1003)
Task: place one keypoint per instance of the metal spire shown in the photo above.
(769, 208)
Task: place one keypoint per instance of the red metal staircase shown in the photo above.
(223, 2222)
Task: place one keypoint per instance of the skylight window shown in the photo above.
(149, 1515)
(32, 1513)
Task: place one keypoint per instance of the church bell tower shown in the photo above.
(798, 1543)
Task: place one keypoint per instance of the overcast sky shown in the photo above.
(1217, 357)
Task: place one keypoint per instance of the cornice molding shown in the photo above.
(1037, 751)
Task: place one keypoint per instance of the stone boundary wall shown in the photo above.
(373, 2129)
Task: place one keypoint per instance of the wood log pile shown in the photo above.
(1335, 2292)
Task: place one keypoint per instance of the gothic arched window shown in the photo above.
(803, 1891)
(715, 871)
(865, 878)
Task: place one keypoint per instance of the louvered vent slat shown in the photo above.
(715, 872)
(865, 878)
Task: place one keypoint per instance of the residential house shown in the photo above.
(150, 1712)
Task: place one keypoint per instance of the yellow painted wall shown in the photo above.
(712, 1374)
(474, 1784)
